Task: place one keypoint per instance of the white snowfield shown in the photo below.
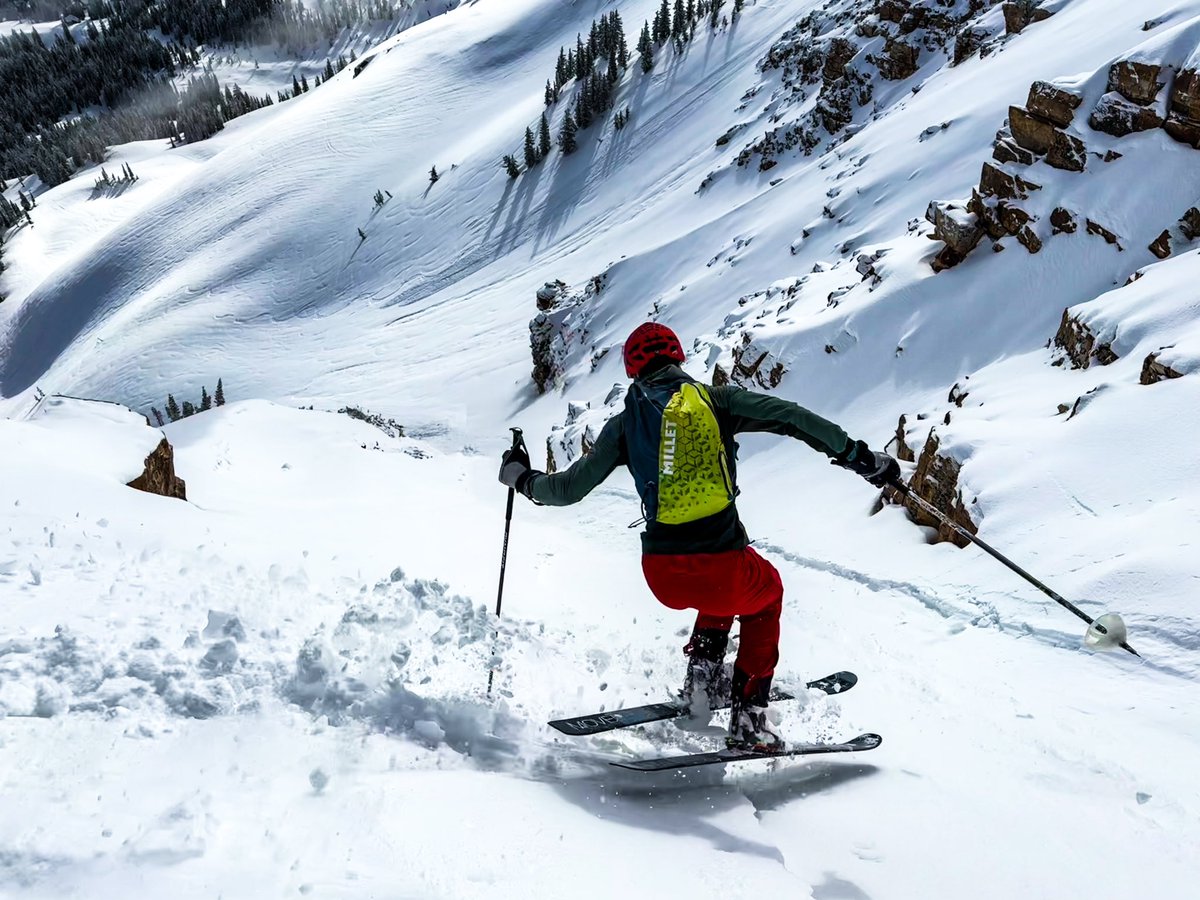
(278, 687)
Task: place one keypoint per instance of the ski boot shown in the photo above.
(750, 728)
(708, 682)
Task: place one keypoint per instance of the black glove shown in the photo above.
(515, 471)
(879, 469)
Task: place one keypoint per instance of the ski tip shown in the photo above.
(867, 741)
(847, 680)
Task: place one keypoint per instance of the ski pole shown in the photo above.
(1099, 627)
(518, 443)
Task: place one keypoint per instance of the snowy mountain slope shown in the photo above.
(1054, 772)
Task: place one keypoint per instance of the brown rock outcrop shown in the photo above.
(1162, 245)
(1053, 104)
(936, 482)
(899, 60)
(1079, 343)
(904, 453)
(1116, 115)
(1063, 221)
(1006, 150)
(995, 182)
(1153, 371)
(1135, 81)
(159, 475)
(1183, 119)
(1062, 150)
(1020, 15)
(1100, 231)
(959, 230)
(892, 10)
(1190, 224)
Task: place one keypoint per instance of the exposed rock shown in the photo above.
(1080, 344)
(1100, 231)
(966, 42)
(1028, 238)
(720, 377)
(1153, 371)
(936, 482)
(1053, 104)
(1030, 132)
(892, 10)
(959, 230)
(904, 453)
(1020, 15)
(159, 475)
(1113, 156)
(1006, 150)
(1185, 94)
(837, 57)
(559, 327)
(1135, 81)
(1190, 224)
(995, 182)
(1115, 115)
(548, 294)
(1063, 220)
(755, 365)
(899, 60)
(1183, 121)
(1069, 153)
(1162, 245)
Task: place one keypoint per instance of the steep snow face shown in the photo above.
(262, 239)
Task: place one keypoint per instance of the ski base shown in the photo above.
(597, 723)
(667, 763)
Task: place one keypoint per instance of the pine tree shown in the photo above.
(295, 87)
(572, 65)
(560, 69)
(646, 49)
(614, 73)
(531, 154)
(329, 73)
(583, 106)
(549, 96)
(544, 138)
(173, 412)
(664, 26)
(622, 44)
(583, 62)
(189, 409)
(158, 416)
(510, 166)
(679, 24)
(205, 399)
(303, 83)
(737, 8)
(219, 396)
(566, 135)
(715, 18)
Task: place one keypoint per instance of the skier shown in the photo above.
(676, 436)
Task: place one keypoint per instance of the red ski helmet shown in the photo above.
(647, 343)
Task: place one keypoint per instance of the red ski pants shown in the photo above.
(721, 586)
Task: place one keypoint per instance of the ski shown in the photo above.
(597, 723)
(667, 763)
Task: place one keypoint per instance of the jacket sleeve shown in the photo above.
(576, 482)
(750, 411)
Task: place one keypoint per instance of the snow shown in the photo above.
(279, 686)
